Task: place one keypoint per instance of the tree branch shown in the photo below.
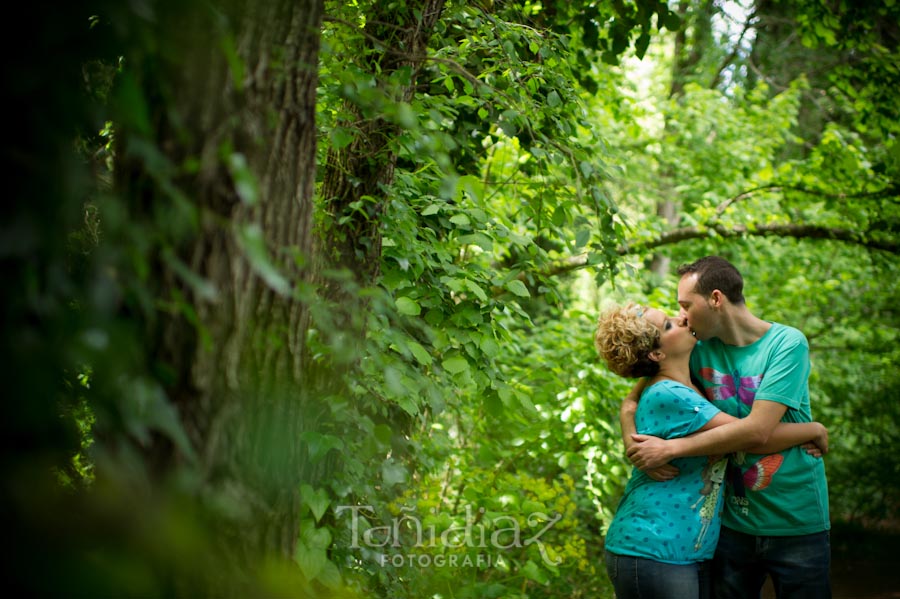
(889, 191)
(797, 231)
(734, 51)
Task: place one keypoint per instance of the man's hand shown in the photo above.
(663, 473)
(818, 446)
(648, 453)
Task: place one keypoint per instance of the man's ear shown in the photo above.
(716, 298)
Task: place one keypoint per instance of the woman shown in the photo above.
(663, 533)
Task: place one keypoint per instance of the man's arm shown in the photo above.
(743, 434)
(789, 434)
(812, 435)
(627, 411)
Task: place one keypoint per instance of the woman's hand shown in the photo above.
(663, 473)
(819, 445)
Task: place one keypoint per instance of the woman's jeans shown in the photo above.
(798, 565)
(636, 578)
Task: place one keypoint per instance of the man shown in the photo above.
(776, 519)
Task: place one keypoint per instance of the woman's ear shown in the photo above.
(657, 355)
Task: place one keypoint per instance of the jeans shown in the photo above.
(798, 565)
(640, 578)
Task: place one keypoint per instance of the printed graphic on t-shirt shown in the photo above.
(723, 386)
(712, 476)
(757, 477)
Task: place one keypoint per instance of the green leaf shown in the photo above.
(310, 559)
(316, 499)
(489, 346)
(420, 353)
(204, 288)
(671, 21)
(408, 306)
(408, 404)
(530, 507)
(384, 434)
(311, 551)
(244, 180)
(330, 576)
(492, 403)
(460, 220)
(582, 236)
(553, 99)
(518, 288)
(508, 128)
(393, 473)
(479, 239)
(235, 63)
(455, 364)
(146, 407)
(587, 169)
(532, 571)
(313, 536)
(477, 290)
(132, 104)
(641, 44)
(341, 137)
(317, 444)
(473, 185)
(251, 240)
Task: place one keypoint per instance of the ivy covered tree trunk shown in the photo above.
(356, 176)
(223, 170)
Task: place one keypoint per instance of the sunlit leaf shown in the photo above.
(408, 306)
(518, 288)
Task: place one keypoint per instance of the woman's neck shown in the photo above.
(675, 370)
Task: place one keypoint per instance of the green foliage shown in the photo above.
(458, 390)
(867, 31)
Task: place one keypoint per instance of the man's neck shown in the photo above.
(740, 327)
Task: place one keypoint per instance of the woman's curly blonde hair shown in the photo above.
(624, 339)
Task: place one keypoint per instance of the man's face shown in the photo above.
(695, 308)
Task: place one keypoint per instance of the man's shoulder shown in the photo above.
(779, 337)
(786, 334)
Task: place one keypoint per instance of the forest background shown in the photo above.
(299, 295)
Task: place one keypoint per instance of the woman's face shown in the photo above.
(674, 335)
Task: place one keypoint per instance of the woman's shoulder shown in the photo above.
(669, 388)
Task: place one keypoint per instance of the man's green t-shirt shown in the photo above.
(771, 495)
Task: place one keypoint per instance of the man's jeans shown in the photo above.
(636, 578)
(798, 565)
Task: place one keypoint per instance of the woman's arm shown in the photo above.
(626, 422)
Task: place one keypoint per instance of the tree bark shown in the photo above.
(240, 375)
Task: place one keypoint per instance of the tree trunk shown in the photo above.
(240, 377)
(366, 166)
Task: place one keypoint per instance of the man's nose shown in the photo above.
(682, 319)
